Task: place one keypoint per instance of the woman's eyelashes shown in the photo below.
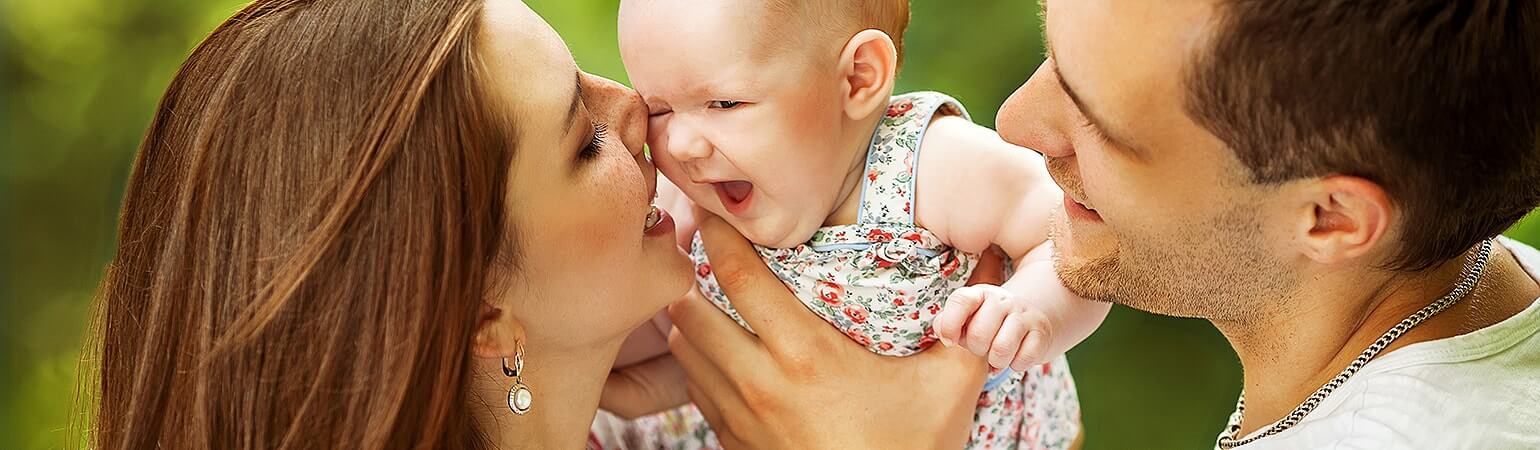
(595, 141)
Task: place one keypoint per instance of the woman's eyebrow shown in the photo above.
(577, 96)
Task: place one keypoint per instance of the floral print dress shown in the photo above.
(881, 281)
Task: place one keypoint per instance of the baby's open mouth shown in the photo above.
(735, 195)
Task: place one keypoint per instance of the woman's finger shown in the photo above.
(967, 374)
(715, 418)
(696, 317)
(702, 373)
(780, 319)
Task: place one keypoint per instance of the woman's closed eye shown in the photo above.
(724, 104)
(595, 141)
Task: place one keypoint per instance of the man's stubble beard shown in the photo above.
(1218, 270)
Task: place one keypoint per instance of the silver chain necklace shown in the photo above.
(1475, 264)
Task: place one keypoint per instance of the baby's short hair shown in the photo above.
(840, 18)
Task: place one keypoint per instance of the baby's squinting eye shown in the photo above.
(724, 104)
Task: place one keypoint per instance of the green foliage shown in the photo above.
(81, 78)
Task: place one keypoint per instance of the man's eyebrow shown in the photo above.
(577, 96)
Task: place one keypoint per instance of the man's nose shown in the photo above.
(1039, 115)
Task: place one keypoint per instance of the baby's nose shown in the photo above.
(686, 143)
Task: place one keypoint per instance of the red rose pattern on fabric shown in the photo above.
(882, 281)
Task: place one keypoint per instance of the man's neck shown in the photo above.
(1318, 331)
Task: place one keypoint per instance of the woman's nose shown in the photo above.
(620, 107)
(1039, 115)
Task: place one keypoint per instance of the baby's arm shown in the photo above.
(975, 190)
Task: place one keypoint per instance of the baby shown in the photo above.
(778, 116)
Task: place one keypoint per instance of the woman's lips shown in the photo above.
(659, 223)
(1077, 211)
(735, 195)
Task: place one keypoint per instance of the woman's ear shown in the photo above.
(498, 334)
(1342, 217)
(868, 68)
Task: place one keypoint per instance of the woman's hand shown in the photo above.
(801, 384)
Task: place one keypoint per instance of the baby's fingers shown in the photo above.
(948, 324)
(1007, 342)
(1034, 349)
(983, 326)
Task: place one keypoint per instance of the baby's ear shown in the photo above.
(868, 66)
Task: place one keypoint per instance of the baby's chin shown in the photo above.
(774, 232)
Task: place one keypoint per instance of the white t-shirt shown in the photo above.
(1475, 391)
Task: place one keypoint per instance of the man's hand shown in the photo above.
(802, 384)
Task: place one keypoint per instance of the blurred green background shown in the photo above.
(81, 77)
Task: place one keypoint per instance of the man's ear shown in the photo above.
(498, 334)
(868, 67)
(1341, 218)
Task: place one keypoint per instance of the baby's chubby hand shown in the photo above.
(992, 322)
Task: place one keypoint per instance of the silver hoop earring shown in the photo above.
(520, 398)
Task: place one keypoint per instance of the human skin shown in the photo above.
(1161, 216)
(789, 126)
(773, 390)
(571, 204)
(1288, 273)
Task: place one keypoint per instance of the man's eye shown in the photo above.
(724, 104)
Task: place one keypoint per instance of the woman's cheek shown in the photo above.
(618, 205)
(632, 189)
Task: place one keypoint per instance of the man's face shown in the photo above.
(1159, 214)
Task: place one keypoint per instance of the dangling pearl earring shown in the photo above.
(520, 398)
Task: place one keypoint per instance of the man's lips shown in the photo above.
(1078, 211)
(735, 195)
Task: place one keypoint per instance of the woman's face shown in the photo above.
(587, 269)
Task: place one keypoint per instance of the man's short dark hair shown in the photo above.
(1437, 101)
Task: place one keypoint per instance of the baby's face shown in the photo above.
(755, 140)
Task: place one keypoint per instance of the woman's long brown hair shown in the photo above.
(306, 236)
